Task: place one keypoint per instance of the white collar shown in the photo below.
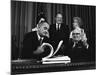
(39, 36)
(57, 25)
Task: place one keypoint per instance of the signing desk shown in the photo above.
(33, 66)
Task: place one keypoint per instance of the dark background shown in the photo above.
(24, 14)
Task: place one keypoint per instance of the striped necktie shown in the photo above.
(58, 27)
(41, 40)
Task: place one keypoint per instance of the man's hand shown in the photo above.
(39, 50)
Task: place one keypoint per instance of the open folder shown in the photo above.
(51, 59)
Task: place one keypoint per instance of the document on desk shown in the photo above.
(58, 59)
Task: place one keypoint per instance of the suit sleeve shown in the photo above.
(27, 46)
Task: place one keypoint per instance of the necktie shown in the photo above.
(58, 26)
(41, 41)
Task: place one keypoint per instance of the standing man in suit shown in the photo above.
(33, 40)
(59, 31)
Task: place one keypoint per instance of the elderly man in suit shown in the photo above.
(33, 40)
(59, 31)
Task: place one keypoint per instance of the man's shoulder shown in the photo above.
(64, 24)
(52, 25)
(30, 34)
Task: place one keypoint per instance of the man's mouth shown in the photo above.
(46, 34)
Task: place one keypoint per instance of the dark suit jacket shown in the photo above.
(30, 44)
(79, 52)
(62, 34)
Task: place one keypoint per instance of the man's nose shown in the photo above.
(46, 32)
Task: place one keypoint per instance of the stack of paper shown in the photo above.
(59, 59)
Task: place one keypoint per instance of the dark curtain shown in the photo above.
(24, 18)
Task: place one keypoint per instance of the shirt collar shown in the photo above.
(39, 36)
(57, 25)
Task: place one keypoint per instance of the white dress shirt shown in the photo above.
(58, 26)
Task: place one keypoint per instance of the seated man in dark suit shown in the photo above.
(33, 40)
(59, 31)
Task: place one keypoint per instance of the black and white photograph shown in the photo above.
(52, 37)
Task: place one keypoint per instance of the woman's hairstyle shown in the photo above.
(78, 20)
